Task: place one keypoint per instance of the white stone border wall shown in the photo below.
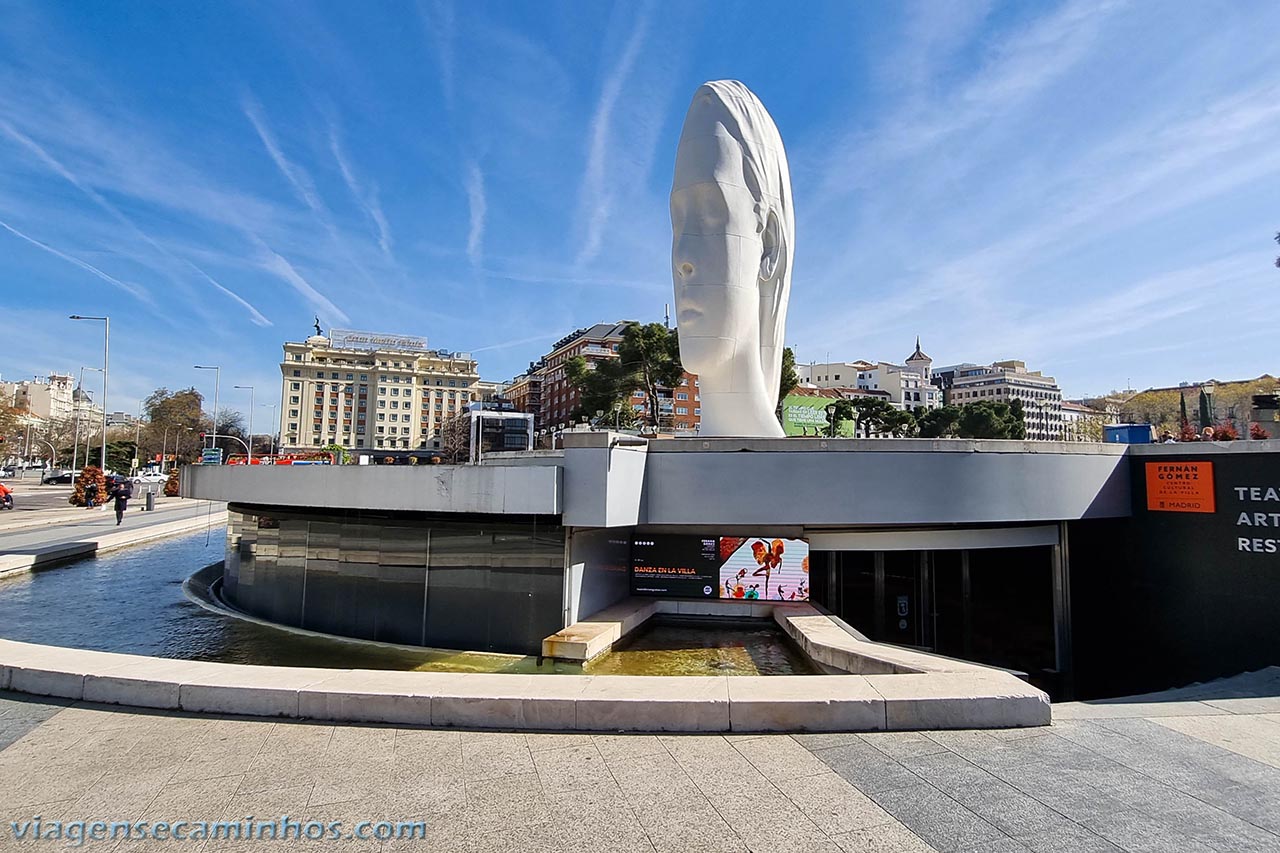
(989, 699)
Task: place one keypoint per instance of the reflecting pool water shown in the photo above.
(669, 645)
(132, 601)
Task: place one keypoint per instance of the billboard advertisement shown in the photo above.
(808, 416)
(732, 567)
(352, 339)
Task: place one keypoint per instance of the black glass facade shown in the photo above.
(475, 585)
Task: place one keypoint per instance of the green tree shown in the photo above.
(876, 417)
(1206, 417)
(1017, 420)
(340, 453)
(942, 422)
(990, 419)
(648, 360)
(788, 379)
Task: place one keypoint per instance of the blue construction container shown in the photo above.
(1129, 433)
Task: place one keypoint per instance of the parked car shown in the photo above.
(150, 477)
(56, 477)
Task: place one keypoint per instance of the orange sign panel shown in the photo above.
(1180, 486)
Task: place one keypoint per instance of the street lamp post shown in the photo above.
(106, 369)
(249, 446)
(831, 419)
(275, 420)
(75, 440)
(137, 437)
(217, 382)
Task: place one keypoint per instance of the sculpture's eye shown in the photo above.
(686, 269)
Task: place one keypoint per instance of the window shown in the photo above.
(382, 404)
(293, 426)
(293, 399)
(697, 411)
(293, 413)
(295, 386)
(349, 378)
(381, 430)
(382, 392)
(682, 410)
(682, 396)
(395, 392)
(297, 356)
(297, 373)
(320, 374)
(364, 377)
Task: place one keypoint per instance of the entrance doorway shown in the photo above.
(991, 606)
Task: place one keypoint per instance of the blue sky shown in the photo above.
(1089, 186)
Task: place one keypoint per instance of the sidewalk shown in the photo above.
(90, 531)
(1186, 780)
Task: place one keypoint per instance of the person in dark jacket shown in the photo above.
(90, 494)
(121, 491)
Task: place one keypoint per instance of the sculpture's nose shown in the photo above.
(685, 270)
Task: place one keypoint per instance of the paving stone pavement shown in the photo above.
(1182, 776)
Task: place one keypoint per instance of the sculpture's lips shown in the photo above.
(689, 315)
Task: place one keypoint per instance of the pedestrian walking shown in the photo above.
(122, 491)
(90, 494)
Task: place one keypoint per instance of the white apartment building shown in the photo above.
(49, 398)
(908, 385)
(1083, 423)
(364, 390)
(1005, 381)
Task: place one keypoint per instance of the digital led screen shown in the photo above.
(743, 567)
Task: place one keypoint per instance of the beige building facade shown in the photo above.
(367, 391)
(1006, 381)
(48, 398)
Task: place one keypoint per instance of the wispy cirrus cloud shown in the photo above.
(367, 199)
(277, 265)
(596, 198)
(477, 205)
(440, 22)
(132, 289)
(60, 169)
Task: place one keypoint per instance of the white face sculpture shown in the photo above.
(731, 257)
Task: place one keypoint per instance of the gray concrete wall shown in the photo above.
(848, 482)
(488, 489)
(601, 480)
(599, 572)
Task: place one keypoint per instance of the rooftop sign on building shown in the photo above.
(351, 339)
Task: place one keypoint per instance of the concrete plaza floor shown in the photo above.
(1182, 771)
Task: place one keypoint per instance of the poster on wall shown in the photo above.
(1180, 486)
(803, 415)
(733, 567)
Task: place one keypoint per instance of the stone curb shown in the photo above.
(542, 702)
(52, 518)
(49, 555)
